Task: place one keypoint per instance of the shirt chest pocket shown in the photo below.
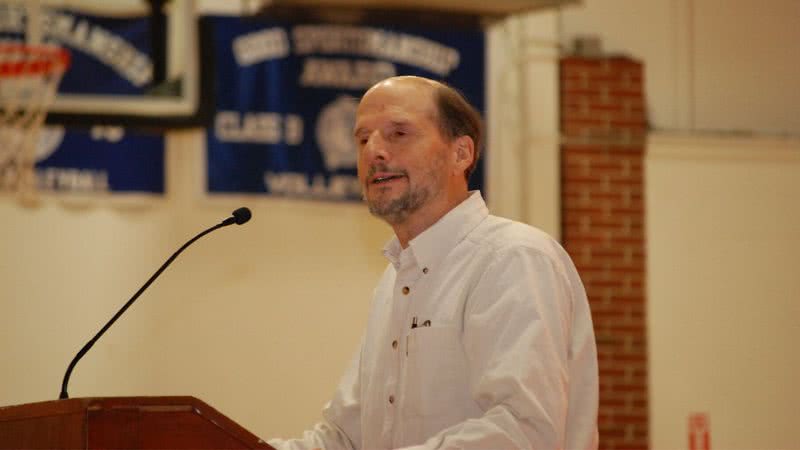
(435, 374)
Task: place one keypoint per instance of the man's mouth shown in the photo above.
(385, 177)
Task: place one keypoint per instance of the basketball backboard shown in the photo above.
(134, 62)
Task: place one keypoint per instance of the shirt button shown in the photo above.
(406, 290)
(394, 344)
(424, 270)
(391, 399)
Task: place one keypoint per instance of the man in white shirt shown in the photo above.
(479, 334)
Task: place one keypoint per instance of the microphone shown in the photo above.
(239, 217)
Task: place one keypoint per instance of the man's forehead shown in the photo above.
(399, 94)
(407, 81)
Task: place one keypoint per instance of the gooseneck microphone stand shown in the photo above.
(239, 217)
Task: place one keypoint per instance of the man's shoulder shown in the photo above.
(503, 236)
(500, 231)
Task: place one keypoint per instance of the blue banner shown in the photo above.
(109, 56)
(120, 160)
(95, 160)
(287, 96)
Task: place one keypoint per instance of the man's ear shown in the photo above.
(464, 152)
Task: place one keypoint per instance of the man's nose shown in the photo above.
(375, 148)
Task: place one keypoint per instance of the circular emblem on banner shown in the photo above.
(335, 133)
(49, 140)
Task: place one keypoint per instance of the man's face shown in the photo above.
(403, 159)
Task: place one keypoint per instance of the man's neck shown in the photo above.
(423, 219)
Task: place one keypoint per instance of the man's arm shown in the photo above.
(341, 427)
(518, 327)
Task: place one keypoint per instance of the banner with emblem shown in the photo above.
(109, 55)
(287, 95)
(98, 159)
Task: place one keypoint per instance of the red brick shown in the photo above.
(584, 148)
(576, 113)
(623, 64)
(612, 430)
(627, 150)
(604, 122)
(606, 164)
(610, 197)
(611, 222)
(573, 177)
(588, 92)
(621, 94)
(633, 209)
(627, 328)
(601, 97)
(590, 122)
(630, 358)
(580, 62)
(605, 283)
(629, 387)
(618, 264)
(583, 103)
(611, 253)
(635, 181)
(637, 444)
(628, 123)
(632, 299)
(632, 418)
(609, 340)
(606, 108)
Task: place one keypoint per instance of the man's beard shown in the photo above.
(397, 210)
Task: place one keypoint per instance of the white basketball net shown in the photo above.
(29, 77)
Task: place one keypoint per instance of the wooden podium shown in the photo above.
(122, 423)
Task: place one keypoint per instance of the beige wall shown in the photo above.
(523, 123)
(709, 64)
(258, 321)
(723, 230)
(723, 227)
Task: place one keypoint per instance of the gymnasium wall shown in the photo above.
(723, 233)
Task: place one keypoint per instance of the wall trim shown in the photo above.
(722, 147)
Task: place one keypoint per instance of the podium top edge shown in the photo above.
(76, 405)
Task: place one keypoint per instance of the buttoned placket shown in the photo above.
(403, 309)
(408, 290)
(400, 308)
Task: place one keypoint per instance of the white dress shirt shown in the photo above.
(479, 337)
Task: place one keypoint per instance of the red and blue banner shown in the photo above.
(285, 100)
(286, 96)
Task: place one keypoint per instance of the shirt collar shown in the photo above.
(433, 244)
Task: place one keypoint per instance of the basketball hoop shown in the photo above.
(29, 77)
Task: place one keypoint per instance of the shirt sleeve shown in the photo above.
(517, 328)
(340, 428)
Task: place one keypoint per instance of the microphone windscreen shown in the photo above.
(242, 215)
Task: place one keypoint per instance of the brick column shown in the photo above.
(603, 127)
